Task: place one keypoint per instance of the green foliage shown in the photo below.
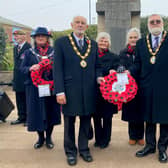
(2, 44)
(58, 34)
(91, 32)
(7, 63)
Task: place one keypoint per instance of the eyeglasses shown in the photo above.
(153, 22)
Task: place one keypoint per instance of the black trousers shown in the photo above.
(102, 126)
(21, 105)
(150, 134)
(69, 135)
(136, 130)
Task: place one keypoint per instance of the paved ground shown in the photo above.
(16, 149)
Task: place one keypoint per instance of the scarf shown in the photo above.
(102, 53)
(43, 49)
(131, 49)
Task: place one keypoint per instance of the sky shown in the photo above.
(57, 14)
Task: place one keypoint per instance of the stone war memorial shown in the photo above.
(116, 17)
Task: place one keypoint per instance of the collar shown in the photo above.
(22, 44)
(77, 38)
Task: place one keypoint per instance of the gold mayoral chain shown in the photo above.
(83, 63)
(153, 54)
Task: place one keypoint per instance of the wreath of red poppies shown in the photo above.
(45, 66)
(116, 97)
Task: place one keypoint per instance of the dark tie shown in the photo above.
(156, 43)
(80, 44)
(18, 48)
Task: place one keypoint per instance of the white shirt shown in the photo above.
(21, 45)
(77, 39)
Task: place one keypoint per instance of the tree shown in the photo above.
(2, 44)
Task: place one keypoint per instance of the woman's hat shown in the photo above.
(41, 31)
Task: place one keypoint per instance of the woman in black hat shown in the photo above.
(43, 112)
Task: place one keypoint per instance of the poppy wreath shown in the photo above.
(115, 97)
(45, 66)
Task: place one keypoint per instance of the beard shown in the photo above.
(156, 30)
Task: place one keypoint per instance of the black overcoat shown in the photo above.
(18, 77)
(42, 112)
(130, 110)
(78, 84)
(104, 108)
(153, 81)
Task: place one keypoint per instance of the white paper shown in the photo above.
(118, 87)
(122, 78)
(44, 90)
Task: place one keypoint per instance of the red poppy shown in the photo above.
(45, 65)
(116, 97)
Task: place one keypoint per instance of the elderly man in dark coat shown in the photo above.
(151, 64)
(18, 80)
(75, 86)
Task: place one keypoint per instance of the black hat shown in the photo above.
(41, 31)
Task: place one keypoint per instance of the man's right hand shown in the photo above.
(61, 99)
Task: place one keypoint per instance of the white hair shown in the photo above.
(78, 16)
(155, 15)
(104, 35)
(134, 29)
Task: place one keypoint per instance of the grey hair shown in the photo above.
(50, 40)
(104, 35)
(78, 16)
(155, 15)
(134, 29)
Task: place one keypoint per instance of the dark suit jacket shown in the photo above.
(18, 77)
(153, 81)
(78, 84)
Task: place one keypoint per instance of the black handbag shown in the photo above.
(6, 106)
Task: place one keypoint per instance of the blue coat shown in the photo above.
(78, 84)
(41, 112)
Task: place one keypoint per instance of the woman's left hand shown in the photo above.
(111, 71)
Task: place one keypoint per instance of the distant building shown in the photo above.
(10, 26)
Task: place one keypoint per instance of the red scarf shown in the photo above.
(43, 49)
(131, 49)
(102, 53)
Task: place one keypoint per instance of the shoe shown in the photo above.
(71, 160)
(105, 145)
(141, 142)
(18, 121)
(162, 157)
(49, 144)
(145, 151)
(87, 157)
(25, 124)
(132, 142)
(38, 144)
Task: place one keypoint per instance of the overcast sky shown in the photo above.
(57, 14)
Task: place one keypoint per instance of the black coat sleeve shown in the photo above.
(135, 68)
(58, 67)
(25, 65)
